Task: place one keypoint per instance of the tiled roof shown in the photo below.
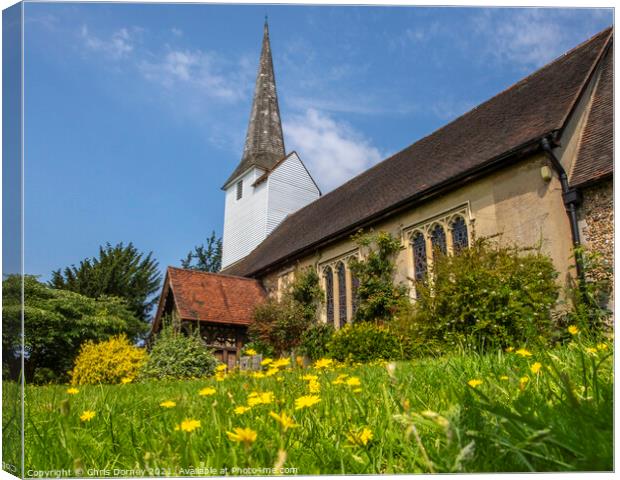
(264, 143)
(595, 158)
(211, 297)
(520, 116)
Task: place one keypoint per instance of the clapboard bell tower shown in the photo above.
(267, 184)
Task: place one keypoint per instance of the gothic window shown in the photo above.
(418, 244)
(459, 234)
(342, 294)
(239, 189)
(355, 283)
(329, 293)
(438, 239)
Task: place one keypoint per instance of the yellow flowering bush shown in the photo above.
(107, 362)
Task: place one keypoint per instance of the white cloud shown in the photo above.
(119, 45)
(177, 31)
(333, 151)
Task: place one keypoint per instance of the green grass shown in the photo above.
(423, 415)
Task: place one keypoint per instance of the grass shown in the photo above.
(423, 415)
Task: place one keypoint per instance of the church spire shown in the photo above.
(264, 143)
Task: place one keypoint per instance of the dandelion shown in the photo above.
(353, 382)
(504, 377)
(306, 401)
(266, 361)
(87, 415)
(535, 368)
(309, 377)
(207, 391)
(242, 435)
(323, 363)
(241, 410)
(601, 346)
(474, 383)
(573, 330)
(284, 420)
(250, 352)
(314, 386)
(509, 349)
(168, 404)
(281, 362)
(271, 371)
(126, 380)
(220, 376)
(258, 374)
(260, 398)
(360, 437)
(340, 379)
(522, 381)
(73, 391)
(523, 352)
(220, 368)
(188, 425)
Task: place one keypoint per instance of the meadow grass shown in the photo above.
(418, 416)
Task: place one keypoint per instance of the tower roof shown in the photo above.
(264, 143)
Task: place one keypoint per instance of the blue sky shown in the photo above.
(136, 114)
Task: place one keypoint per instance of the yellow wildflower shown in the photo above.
(87, 415)
(207, 391)
(504, 377)
(573, 330)
(314, 386)
(535, 368)
(241, 410)
(284, 420)
(509, 349)
(522, 381)
(125, 380)
(309, 377)
(306, 401)
(251, 352)
(73, 391)
(220, 376)
(602, 346)
(220, 368)
(360, 437)
(357, 390)
(266, 361)
(245, 435)
(260, 398)
(340, 379)
(168, 404)
(523, 352)
(474, 383)
(353, 382)
(271, 371)
(258, 374)
(323, 363)
(591, 350)
(188, 425)
(281, 362)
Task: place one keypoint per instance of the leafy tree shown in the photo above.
(378, 298)
(56, 323)
(205, 258)
(281, 323)
(120, 271)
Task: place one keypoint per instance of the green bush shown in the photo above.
(315, 339)
(487, 296)
(175, 355)
(364, 342)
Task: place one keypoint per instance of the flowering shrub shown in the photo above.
(363, 342)
(175, 355)
(107, 362)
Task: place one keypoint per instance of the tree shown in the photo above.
(378, 298)
(120, 271)
(56, 323)
(208, 259)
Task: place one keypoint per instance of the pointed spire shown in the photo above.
(264, 143)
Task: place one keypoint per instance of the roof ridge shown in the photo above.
(213, 274)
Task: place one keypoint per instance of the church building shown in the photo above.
(534, 165)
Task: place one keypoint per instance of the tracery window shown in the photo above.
(418, 243)
(342, 294)
(438, 239)
(459, 234)
(329, 293)
(355, 283)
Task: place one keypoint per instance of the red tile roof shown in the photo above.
(490, 135)
(210, 297)
(595, 158)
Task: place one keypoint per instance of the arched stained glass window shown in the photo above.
(438, 239)
(459, 234)
(355, 283)
(342, 294)
(329, 294)
(418, 244)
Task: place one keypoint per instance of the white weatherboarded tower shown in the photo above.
(267, 185)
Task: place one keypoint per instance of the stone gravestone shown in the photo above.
(250, 362)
